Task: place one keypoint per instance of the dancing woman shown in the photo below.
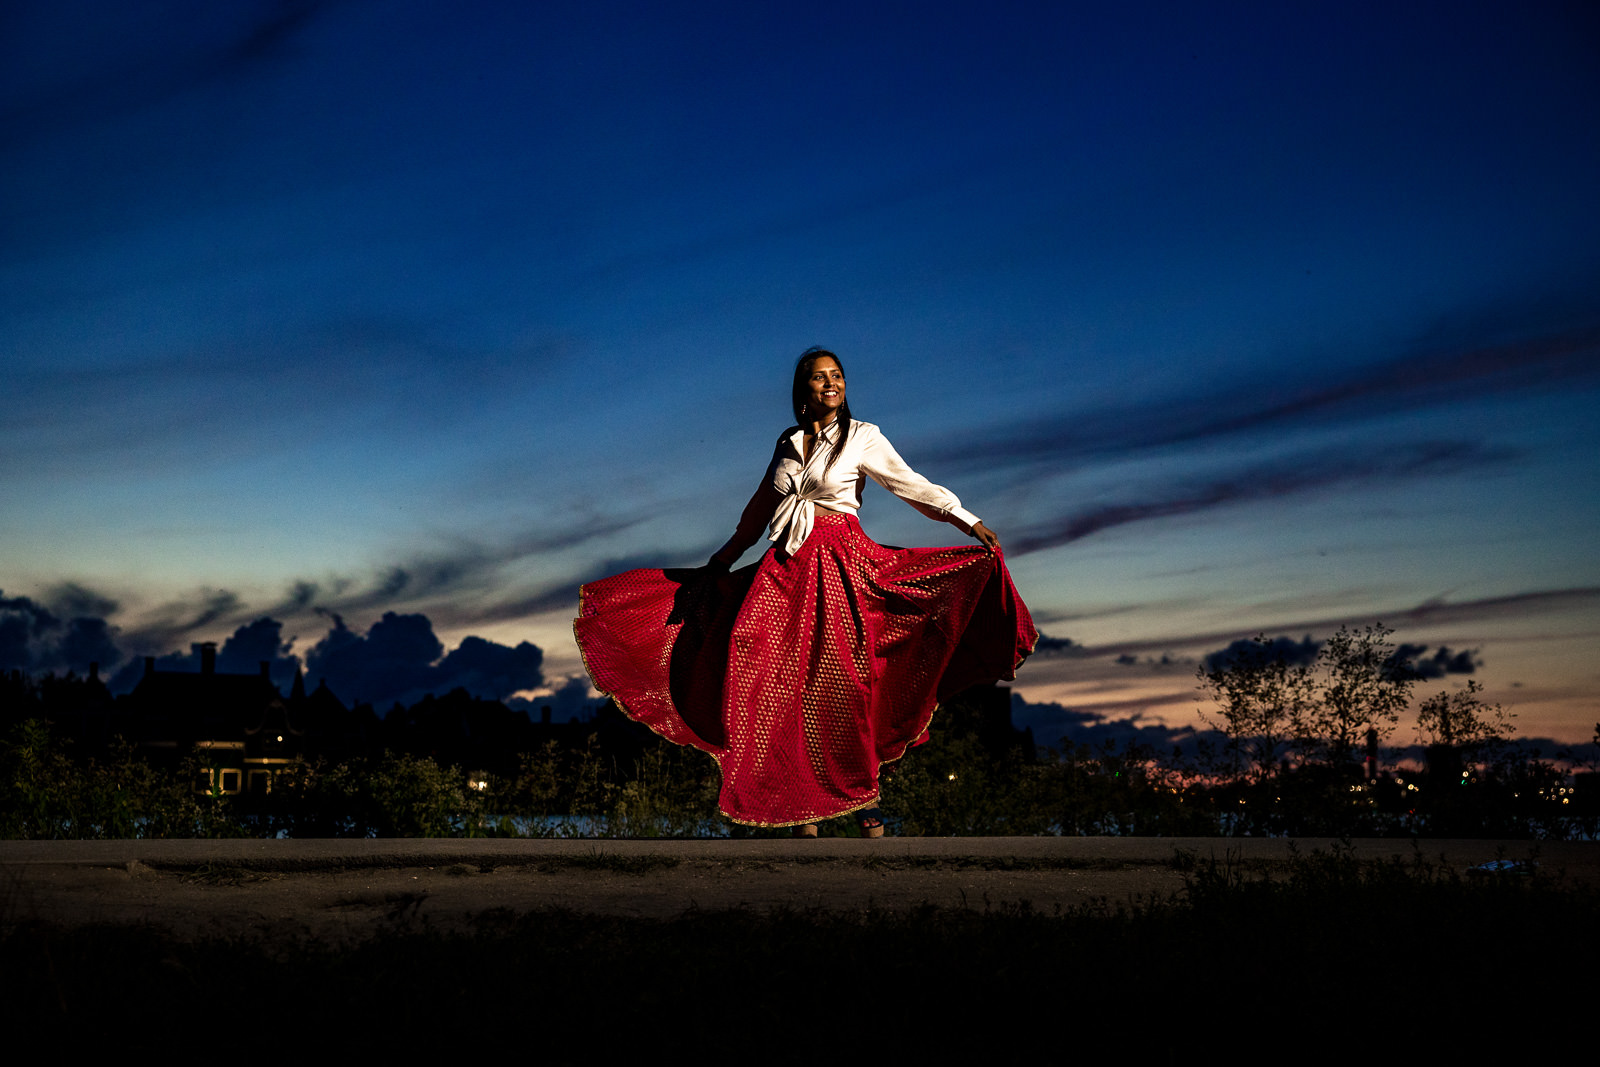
(805, 673)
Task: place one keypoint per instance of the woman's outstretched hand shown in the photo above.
(990, 539)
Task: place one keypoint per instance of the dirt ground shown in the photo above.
(344, 890)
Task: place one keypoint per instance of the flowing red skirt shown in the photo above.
(803, 675)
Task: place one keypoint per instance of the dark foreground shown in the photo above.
(1146, 950)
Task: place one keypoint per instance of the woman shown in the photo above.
(807, 672)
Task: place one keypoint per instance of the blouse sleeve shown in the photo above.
(883, 465)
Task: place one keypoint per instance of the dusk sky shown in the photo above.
(1229, 318)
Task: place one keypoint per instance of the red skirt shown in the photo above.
(802, 675)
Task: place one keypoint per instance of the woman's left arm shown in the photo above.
(883, 464)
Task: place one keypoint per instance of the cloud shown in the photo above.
(1285, 650)
(123, 63)
(399, 660)
(86, 642)
(1442, 662)
(72, 599)
(173, 622)
(1165, 660)
(1058, 646)
(469, 585)
(1288, 476)
(570, 700)
(1056, 724)
(1303, 653)
(1436, 611)
(251, 645)
(566, 593)
(302, 595)
(23, 625)
(34, 639)
(256, 643)
(486, 668)
(1407, 382)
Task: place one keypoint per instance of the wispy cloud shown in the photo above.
(1403, 383)
(1288, 476)
(1435, 611)
(132, 63)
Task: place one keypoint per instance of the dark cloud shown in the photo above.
(256, 643)
(1442, 662)
(392, 584)
(1286, 650)
(486, 668)
(174, 623)
(214, 606)
(251, 645)
(72, 599)
(1058, 646)
(23, 627)
(399, 660)
(1406, 382)
(1288, 476)
(1165, 660)
(1436, 611)
(272, 35)
(466, 586)
(1056, 726)
(571, 700)
(147, 68)
(301, 596)
(566, 594)
(89, 641)
(35, 639)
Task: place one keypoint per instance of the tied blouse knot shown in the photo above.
(795, 486)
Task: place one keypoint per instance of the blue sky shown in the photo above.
(1228, 318)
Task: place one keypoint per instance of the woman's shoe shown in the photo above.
(805, 829)
(871, 822)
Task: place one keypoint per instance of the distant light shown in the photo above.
(952, 777)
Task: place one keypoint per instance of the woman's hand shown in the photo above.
(990, 540)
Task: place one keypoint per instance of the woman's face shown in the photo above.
(827, 389)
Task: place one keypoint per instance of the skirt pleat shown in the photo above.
(802, 675)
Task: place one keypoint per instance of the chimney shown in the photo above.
(266, 670)
(208, 657)
(149, 666)
(94, 670)
(544, 715)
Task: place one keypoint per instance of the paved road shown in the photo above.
(340, 889)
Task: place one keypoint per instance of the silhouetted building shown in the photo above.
(239, 726)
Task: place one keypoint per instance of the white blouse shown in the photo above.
(801, 485)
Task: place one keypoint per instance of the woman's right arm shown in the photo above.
(753, 523)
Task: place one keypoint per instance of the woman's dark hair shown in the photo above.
(802, 392)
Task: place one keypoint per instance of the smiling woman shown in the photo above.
(807, 672)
